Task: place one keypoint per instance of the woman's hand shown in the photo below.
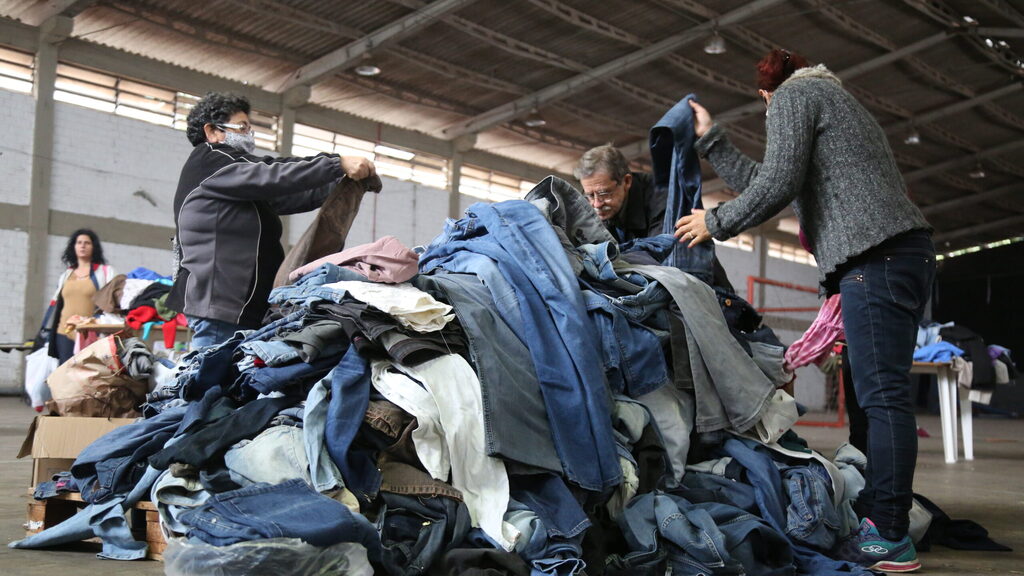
(701, 119)
(693, 228)
(357, 167)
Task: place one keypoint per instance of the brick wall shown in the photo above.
(17, 112)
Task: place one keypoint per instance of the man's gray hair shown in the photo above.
(605, 159)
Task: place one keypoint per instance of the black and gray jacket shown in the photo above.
(226, 218)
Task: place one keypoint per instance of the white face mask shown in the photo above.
(244, 142)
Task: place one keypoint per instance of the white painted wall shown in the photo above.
(17, 117)
(13, 262)
(101, 160)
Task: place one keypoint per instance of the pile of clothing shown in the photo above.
(979, 367)
(139, 299)
(525, 396)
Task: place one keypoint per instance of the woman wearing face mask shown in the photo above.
(86, 273)
(828, 156)
(226, 214)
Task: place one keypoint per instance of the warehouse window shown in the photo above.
(492, 185)
(397, 163)
(743, 242)
(141, 101)
(15, 70)
(790, 252)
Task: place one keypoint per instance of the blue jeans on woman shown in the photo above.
(884, 292)
(208, 332)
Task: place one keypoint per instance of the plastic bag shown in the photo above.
(193, 557)
(38, 365)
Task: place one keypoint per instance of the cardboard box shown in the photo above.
(55, 441)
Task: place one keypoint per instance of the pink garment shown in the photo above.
(85, 337)
(817, 341)
(385, 260)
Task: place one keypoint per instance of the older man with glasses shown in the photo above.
(227, 217)
(628, 203)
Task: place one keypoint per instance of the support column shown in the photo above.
(460, 146)
(761, 253)
(290, 100)
(51, 33)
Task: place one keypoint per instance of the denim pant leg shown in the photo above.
(884, 296)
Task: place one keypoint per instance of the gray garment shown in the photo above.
(324, 473)
(276, 455)
(730, 390)
(516, 425)
(769, 358)
(715, 466)
(173, 496)
(851, 463)
(828, 156)
(674, 412)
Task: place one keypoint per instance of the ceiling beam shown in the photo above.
(1006, 10)
(954, 108)
(845, 74)
(1001, 32)
(947, 16)
(622, 64)
(42, 11)
(598, 26)
(972, 199)
(965, 160)
(347, 55)
(938, 78)
(1015, 222)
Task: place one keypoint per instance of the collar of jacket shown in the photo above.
(633, 215)
(819, 71)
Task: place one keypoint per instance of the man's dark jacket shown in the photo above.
(226, 219)
(643, 216)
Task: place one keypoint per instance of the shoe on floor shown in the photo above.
(869, 549)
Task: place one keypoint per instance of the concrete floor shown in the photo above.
(989, 490)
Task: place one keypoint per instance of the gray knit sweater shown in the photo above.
(829, 157)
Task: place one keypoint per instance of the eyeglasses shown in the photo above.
(602, 195)
(244, 127)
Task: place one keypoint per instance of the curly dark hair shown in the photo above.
(214, 108)
(70, 259)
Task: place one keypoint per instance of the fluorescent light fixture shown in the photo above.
(978, 173)
(393, 152)
(913, 138)
(367, 69)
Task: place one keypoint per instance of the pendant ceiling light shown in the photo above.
(534, 119)
(715, 44)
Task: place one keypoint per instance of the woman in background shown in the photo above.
(87, 272)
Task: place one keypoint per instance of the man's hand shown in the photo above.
(701, 119)
(357, 167)
(692, 229)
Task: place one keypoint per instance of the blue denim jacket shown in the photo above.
(677, 168)
(522, 244)
(706, 538)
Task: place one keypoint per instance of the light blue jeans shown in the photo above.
(208, 332)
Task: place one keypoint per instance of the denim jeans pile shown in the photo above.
(534, 385)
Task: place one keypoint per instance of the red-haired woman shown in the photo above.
(829, 158)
